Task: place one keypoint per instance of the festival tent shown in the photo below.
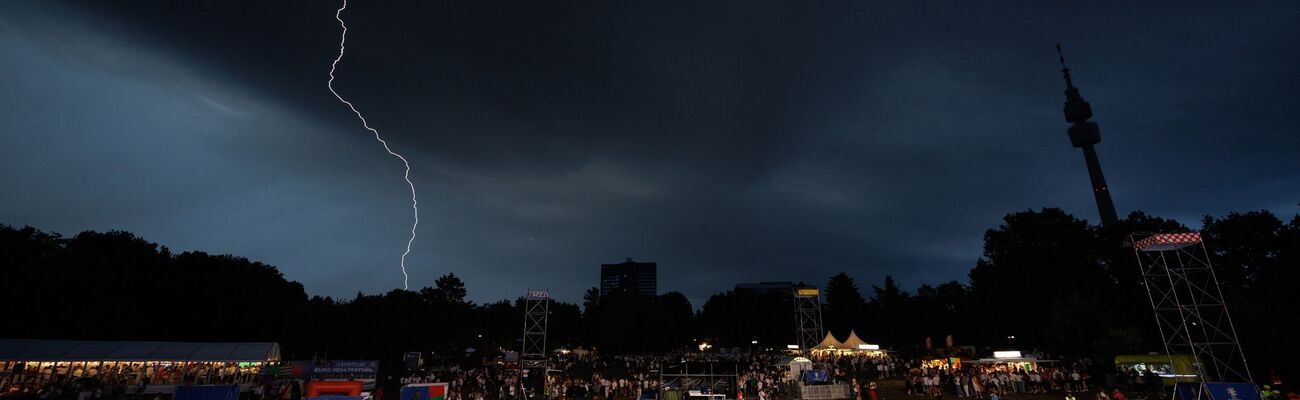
(78, 350)
(829, 343)
(853, 342)
(164, 363)
(798, 365)
(854, 345)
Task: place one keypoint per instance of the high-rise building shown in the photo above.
(1084, 134)
(638, 278)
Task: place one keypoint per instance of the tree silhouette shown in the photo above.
(889, 311)
(1053, 281)
(845, 308)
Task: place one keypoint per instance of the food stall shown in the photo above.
(162, 363)
(1012, 360)
(1170, 368)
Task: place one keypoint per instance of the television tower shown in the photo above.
(1084, 134)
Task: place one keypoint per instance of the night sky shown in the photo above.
(728, 141)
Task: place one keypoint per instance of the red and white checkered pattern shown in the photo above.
(1168, 241)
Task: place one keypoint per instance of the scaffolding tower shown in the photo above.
(808, 317)
(1189, 306)
(533, 355)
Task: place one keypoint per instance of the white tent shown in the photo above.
(87, 350)
(853, 341)
(798, 365)
(829, 343)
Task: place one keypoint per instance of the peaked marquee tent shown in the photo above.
(829, 343)
(853, 344)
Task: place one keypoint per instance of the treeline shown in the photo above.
(114, 285)
(117, 286)
(1050, 280)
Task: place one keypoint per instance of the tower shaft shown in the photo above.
(1105, 207)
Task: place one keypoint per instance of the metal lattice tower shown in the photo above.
(808, 317)
(536, 310)
(1188, 304)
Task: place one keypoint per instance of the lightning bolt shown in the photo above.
(415, 209)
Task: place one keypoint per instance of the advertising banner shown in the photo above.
(424, 391)
(207, 392)
(412, 359)
(345, 369)
(1217, 391)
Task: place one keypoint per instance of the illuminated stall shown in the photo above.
(163, 363)
(1012, 360)
(851, 346)
(1170, 368)
(941, 363)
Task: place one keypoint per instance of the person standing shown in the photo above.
(1101, 395)
(963, 385)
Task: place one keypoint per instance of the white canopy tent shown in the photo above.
(829, 343)
(84, 350)
(853, 344)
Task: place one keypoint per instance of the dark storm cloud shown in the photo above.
(728, 141)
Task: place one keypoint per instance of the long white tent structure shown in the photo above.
(35, 361)
(79, 350)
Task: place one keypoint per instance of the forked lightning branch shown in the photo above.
(415, 209)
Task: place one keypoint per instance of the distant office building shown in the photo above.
(630, 276)
(779, 290)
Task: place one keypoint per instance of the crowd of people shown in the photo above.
(84, 388)
(1001, 380)
(112, 380)
(674, 376)
(613, 377)
(981, 381)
